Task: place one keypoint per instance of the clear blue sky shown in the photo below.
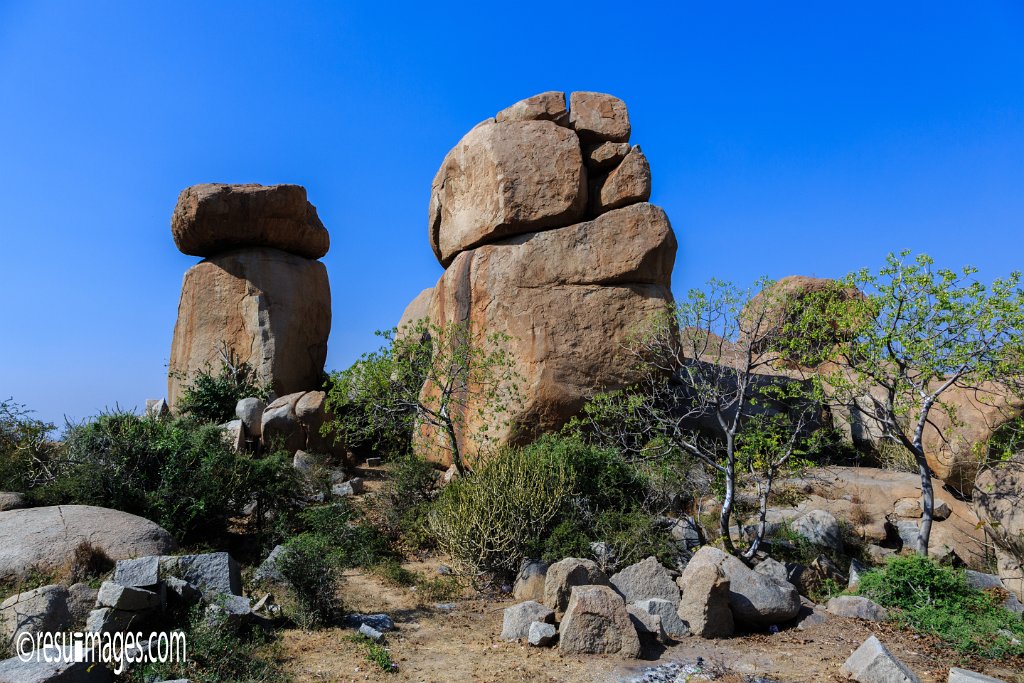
(783, 137)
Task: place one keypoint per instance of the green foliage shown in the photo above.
(350, 540)
(444, 376)
(176, 472)
(412, 484)
(309, 566)
(376, 654)
(210, 397)
(916, 333)
(25, 447)
(488, 520)
(936, 599)
(218, 653)
(569, 538)
(633, 536)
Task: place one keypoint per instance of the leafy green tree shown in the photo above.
(917, 333)
(442, 376)
(716, 390)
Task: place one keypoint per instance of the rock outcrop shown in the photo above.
(534, 214)
(45, 538)
(259, 296)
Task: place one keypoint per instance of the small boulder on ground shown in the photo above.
(268, 571)
(563, 575)
(647, 625)
(541, 634)
(964, 676)
(529, 584)
(704, 607)
(596, 622)
(10, 500)
(645, 580)
(873, 663)
(126, 598)
(755, 600)
(856, 607)
(670, 621)
(14, 670)
(821, 528)
(41, 610)
(517, 620)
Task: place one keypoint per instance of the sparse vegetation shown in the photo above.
(441, 376)
(937, 600)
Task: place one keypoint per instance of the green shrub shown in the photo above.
(376, 654)
(350, 540)
(412, 484)
(937, 600)
(633, 536)
(179, 473)
(218, 653)
(308, 567)
(569, 538)
(490, 519)
(211, 397)
(25, 447)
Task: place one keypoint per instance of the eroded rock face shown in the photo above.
(613, 273)
(214, 217)
(272, 309)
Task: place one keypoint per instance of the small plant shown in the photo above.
(210, 397)
(376, 654)
(88, 562)
(936, 599)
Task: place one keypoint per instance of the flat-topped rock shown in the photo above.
(214, 217)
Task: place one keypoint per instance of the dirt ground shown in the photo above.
(432, 645)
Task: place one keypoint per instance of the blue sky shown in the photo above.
(784, 138)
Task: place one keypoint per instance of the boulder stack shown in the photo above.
(259, 294)
(540, 217)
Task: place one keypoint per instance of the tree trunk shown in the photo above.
(927, 501)
(728, 498)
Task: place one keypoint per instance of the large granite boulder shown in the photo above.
(269, 308)
(705, 605)
(535, 213)
(613, 273)
(46, 538)
(505, 179)
(213, 218)
(998, 493)
(954, 446)
(43, 610)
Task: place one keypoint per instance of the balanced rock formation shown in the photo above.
(540, 217)
(259, 295)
